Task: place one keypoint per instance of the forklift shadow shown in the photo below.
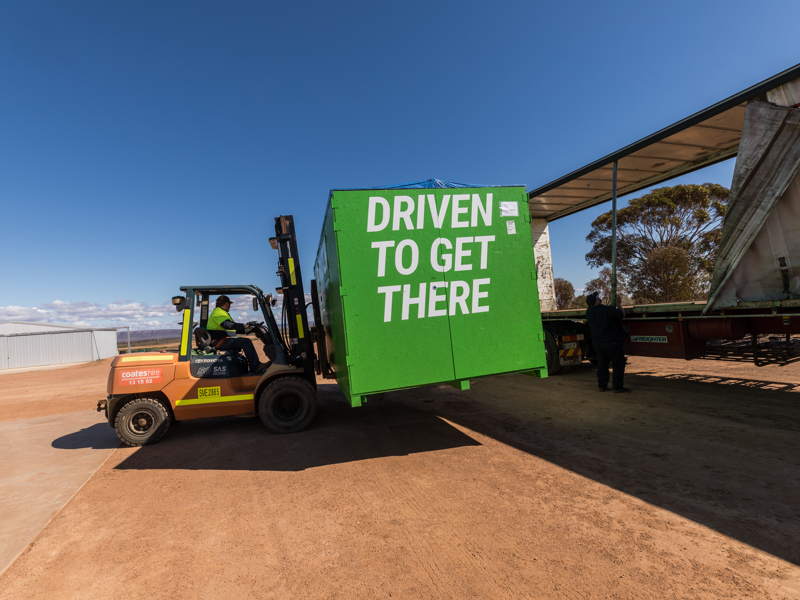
(97, 437)
(339, 434)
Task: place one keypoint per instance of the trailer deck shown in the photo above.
(681, 330)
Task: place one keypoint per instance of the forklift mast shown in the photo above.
(295, 318)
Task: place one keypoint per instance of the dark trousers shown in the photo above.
(240, 344)
(610, 354)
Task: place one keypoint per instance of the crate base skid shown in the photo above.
(540, 373)
(462, 384)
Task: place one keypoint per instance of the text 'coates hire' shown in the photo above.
(436, 298)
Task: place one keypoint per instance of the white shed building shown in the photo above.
(38, 344)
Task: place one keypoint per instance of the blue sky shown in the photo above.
(147, 145)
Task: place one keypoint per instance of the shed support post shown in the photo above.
(544, 264)
(614, 236)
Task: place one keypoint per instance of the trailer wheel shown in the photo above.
(142, 421)
(287, 405)
(551, 353)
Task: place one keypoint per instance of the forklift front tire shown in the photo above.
(287, 405)
(142, 421)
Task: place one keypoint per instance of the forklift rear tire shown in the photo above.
(287, 405)
(142, 421)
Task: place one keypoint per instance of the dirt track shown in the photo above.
(519, 488)
(40, 393)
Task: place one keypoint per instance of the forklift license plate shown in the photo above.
(569, 345)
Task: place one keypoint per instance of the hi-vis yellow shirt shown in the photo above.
(217, 318)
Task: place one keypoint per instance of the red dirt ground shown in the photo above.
(519, 488)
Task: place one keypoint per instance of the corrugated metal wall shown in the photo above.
(19, 351)
(105, 344)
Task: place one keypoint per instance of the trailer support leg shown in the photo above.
(613, 299)
(754, 340)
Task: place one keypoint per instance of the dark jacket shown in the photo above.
(605, 323)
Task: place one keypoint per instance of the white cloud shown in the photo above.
(89, 314)
(24, 313)
(123, 313)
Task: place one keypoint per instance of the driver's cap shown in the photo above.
(222, 300)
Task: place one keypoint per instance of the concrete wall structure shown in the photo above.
(544, 264)
(39, 344)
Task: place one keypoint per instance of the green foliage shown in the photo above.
(565, 293)
(602, 284)
(666, 241)
(579, 301)
(669, 275)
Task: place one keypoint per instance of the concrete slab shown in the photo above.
(45, 462)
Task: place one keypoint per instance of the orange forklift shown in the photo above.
(148, 391)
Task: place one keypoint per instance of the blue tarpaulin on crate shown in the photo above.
(424, 184)
(427, 184)
(416, 185)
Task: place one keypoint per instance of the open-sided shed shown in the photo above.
(766, 144)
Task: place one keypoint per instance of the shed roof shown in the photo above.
(19, 327)
(703, 139)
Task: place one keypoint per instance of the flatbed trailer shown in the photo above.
(753, 306)
(760, 331)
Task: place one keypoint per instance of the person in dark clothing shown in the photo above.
(605, 323)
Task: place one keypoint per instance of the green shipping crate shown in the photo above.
(419, 286)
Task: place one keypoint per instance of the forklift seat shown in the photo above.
(202, 339)
(206, 345)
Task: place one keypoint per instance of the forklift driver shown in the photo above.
(219, 321)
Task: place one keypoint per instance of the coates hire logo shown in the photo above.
(140, 376)
(649, 339)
